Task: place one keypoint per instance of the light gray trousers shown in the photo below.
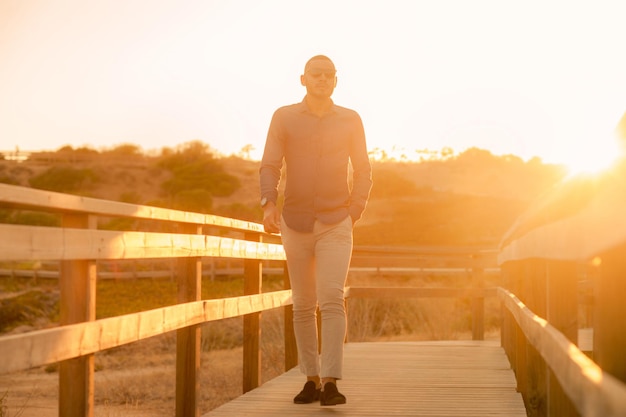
(318, 264)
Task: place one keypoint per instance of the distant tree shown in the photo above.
(379, 155)
(132, 197)
(246, 151)
(64, 179)
(28, 217)
(6, 179)
(126, 149)
(35, 218)
(446, 152)
(83, 150)
(390, 183)
(197, 200)
(197, 176)
(69, 154)
(476, 156)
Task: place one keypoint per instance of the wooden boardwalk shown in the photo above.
(451, 378)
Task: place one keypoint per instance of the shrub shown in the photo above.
(197, 200)
(196, 176)
(64, 179)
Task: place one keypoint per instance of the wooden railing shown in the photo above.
(79, 246)
(574, 236)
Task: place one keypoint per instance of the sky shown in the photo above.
(530, 78)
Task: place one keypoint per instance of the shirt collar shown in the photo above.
(304, 108)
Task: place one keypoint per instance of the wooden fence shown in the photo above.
(79, 245)
(574, 236)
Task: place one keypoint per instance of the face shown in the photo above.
(319, 78)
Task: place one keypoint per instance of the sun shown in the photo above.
(595, 157)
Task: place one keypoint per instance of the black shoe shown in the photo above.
(331, 396)
(308, 394)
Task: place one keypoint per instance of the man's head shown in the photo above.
(320, 76)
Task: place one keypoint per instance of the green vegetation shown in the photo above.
(467, 199)
(28, 217)
(7, 178)
(197, 176)
(65, 179)
(27, 308)
(390, 183)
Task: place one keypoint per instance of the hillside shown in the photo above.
(468, 200)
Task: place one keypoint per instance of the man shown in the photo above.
(318, 141)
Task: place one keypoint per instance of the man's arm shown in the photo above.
(362, 172)
(269, 176)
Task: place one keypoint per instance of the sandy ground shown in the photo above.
(35, 394)
(131, 384)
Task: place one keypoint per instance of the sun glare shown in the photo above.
(599, 156)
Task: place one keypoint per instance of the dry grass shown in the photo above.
(138, 380)
(416, 319)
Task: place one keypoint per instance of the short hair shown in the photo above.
(316, 57)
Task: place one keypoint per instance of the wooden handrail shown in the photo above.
(594, 392)
(23, 197)
(56, 243)
(47, 346)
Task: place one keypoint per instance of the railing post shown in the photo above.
(535, 298)
(252, 272)
(609, 337)
(291, 350)
(516, 275)
(478, 301)
(77, 283)
(507, 324)
(562, 313)
(189, 278)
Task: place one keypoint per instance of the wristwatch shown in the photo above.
(264, 201)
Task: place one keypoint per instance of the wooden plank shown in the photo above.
(24, 197)
(41, 347)
(52, 243)
(456, 378)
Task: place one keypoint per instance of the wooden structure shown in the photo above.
(575, 233)
(403, 379)
(79, 245)
(575, 236)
